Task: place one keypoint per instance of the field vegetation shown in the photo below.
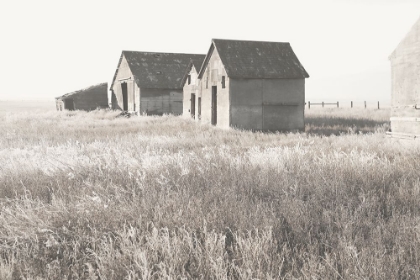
(97, 196)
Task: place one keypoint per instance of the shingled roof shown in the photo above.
(197, 62)
(257, 60)
(157, 70)
(100, 86)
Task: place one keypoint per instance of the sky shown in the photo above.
(49, 48)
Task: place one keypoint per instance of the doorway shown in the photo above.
(214, 105)
(124, 96)
(199, 108)
(193, 105)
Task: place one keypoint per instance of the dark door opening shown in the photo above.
(214, 105)
(193, 105)
(199, 108)
(124, 96)
(69, 104)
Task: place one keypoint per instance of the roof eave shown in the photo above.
(206, 60)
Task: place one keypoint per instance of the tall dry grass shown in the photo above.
(94, 196)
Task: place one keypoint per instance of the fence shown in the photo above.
(334, 103)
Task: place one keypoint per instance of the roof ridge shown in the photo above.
(160, 52)
(254, 41)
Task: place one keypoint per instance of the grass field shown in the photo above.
(19, 106)
(96, 196)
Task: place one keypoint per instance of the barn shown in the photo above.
(149, 82)
(87, 99)
(405, 86)
(250, 85)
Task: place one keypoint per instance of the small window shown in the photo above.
(189, 79)
(223, 82)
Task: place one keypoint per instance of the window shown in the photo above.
(189, 79)
(223, 82)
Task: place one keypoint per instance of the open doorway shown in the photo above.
(193, 105)
(214, 105)
(124, 96)
(199, 108)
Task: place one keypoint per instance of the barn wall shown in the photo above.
(405, 73)
(91, 99)
(161, 101)
(267, 104)
(59, 104)
(213, 77)
(188, 89)
(133, 92)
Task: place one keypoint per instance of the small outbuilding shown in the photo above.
(149, 82)
(405, 90)
(191, 88)
(87, 99)
(249, 85)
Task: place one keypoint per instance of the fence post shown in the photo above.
(309, 104)
(351, 104)
(322, 104)
(365, 104)
(338, 105)
(378, 105)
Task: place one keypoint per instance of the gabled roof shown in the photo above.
(157, 70)
(256, 60)
(197, 62)
(70, 94)
(413, 34)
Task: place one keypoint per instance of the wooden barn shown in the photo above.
(405, 90)
(87, 99)
(149, 82)
(250, 85)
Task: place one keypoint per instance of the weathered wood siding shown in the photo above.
(92, 99)
(87, 99)
(161, 101)
(267, 104)
(124, 75)
(59, 104)
(405, 73)
(213, 77)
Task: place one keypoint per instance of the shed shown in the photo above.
(405, 90)
(191, 84)
(149, 82)
(87, 99)
(252, 85)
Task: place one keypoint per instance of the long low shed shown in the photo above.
(87, 99)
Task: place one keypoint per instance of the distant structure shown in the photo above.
(149, 82)
(405, 94)
(191, 88)
(247, 84)
(87, 99)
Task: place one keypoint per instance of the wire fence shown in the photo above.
(337, 104)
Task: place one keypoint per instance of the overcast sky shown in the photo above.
(49, 48)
